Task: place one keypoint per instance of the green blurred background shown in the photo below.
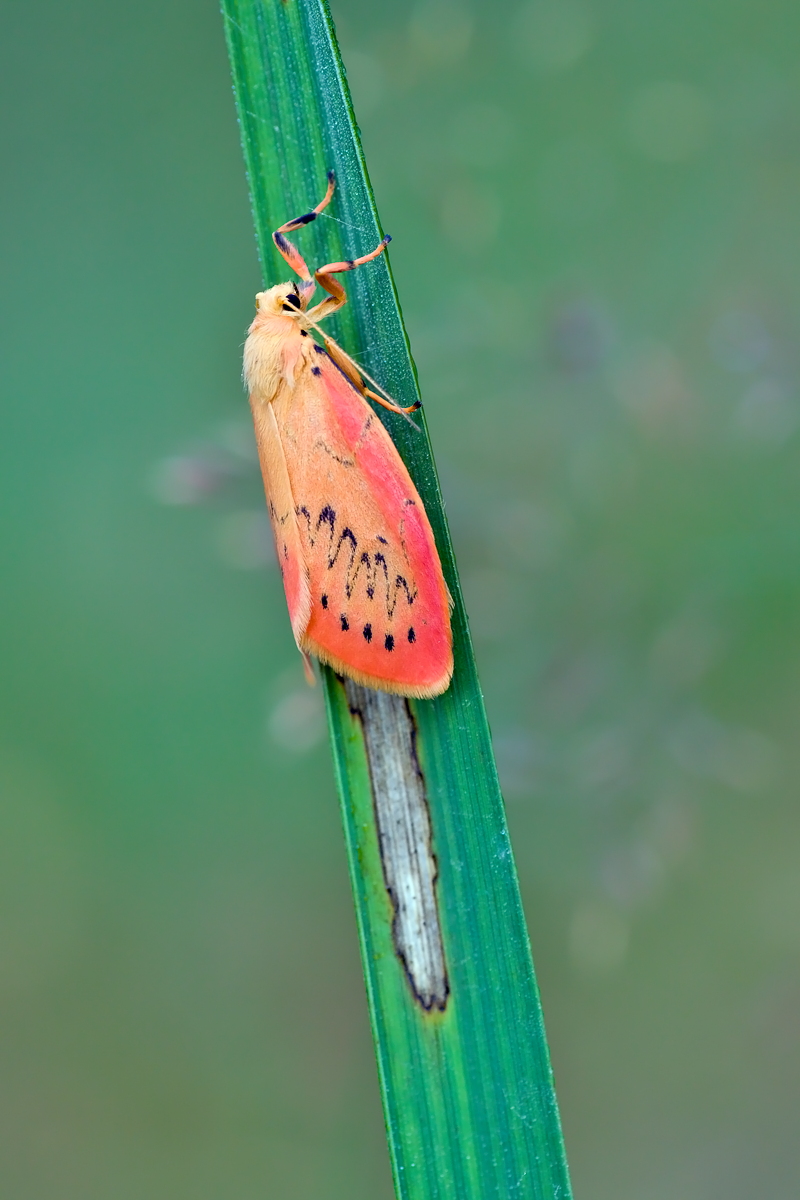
(594, 209)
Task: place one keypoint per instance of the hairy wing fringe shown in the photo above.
(415, 692)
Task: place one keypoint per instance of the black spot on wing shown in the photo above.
(324, 601)
(388, 642)
(367, 631)
(316, 371)
(412, 637)
(345, 623)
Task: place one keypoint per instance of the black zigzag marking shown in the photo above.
(373, 567)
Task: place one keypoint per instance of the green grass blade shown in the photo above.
(466, 1081)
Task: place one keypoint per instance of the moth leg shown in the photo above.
(285, 247)
(356, 374)
(344, 362)
(308, 217)
(388, 404)
(324, 277)
(308, 670)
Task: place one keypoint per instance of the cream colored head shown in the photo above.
(280, 300)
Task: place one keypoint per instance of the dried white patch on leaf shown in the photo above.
(404, 832)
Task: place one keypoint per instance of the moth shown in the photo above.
(361, 572)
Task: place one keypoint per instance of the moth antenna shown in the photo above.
(346, 224)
